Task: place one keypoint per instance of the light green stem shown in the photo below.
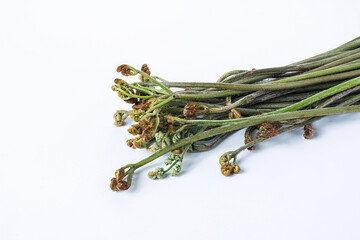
(296, 106)
(151, 79)
(161, 103)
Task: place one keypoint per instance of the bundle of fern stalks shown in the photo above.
(175, 118)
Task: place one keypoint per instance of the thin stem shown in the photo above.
(207, 95)
(252, 98)
(345, 58)
(201, 147)
(321, 95)
(130, 95)
(338, 69)
(271, 117)
(159, 78)
(151, 79)
(161, 103)
(259, 140)
(228, 74)
(139, 88)
(232, 127)
(276, 85)
(347, 46)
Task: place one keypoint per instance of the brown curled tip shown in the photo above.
(145, 69)
(236, 169)
(119, 185)
(193, 109)
(119, 81)
(122, 185)
(226, 170)
(168, 124)
(113, 184)
(124, 70)
(134, 129)
(119, 174)
(308, 131)
(120, 117)
(267, 130)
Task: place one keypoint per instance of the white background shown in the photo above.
(59, 147)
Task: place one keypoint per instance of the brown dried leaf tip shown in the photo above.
(120, 173)
(146, 70)
(168, 124)
(308, 131)
(236, 169)
(113, 184)
(120, 185)
(135, 129)
(125, 70)
(193, 109)
(267, 130)
(145, 104)
(137, 142)
(226, 171)
(117, 183)
(119, 81)
(147, 129)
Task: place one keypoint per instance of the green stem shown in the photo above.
(355, 43)
(345, 58)
(331, 61)
(299, 105)
(254, 121)
(161, 79)
(161, 103)
(171, 166)
(130, 95)
(151, 79)
(211, 95)
(338, 69)
(271, 117)
(276, 85)
(140, 88)
(228, 74)
(321, 95)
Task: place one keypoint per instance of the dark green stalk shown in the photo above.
(228, 74)
(355, 43)
(277, 85)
